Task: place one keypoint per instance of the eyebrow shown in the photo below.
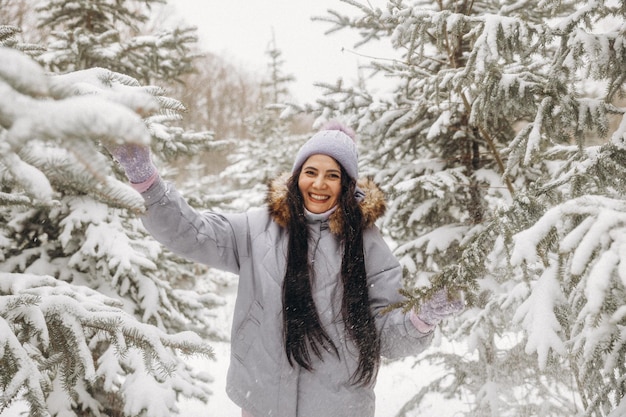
(317, 169)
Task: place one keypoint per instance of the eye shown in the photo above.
(309, 172)
(334, 176)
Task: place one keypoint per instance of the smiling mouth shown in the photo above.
(317, 197)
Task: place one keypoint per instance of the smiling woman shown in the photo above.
(315, 276)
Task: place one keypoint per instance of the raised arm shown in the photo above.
(203, 237)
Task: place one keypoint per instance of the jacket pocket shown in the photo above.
(247, 332)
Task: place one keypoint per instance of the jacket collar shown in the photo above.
(372, 203)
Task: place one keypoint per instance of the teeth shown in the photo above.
(319, 197)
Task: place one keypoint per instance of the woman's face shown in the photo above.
(320, 183)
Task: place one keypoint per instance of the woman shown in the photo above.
(314, 276)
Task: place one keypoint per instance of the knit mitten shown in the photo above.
(439, 307)
(136, 161)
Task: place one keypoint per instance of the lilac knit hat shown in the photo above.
(336, 141)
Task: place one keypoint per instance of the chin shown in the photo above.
(317, 209)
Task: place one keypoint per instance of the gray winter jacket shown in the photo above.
(254, 246)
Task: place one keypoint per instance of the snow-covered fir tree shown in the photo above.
(101, 33)
(488, 148)
(93, 312)
(254, 161)
(274, 93)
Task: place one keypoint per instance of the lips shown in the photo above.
(318, 197)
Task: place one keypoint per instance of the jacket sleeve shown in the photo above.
(210, 238)
(399, 337)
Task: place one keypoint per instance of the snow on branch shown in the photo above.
(49, 316)
(78, 110)
(499, 38)
(619, 136)
(601, 212)
(22, 73)
(109, 85)
(537, 315)
(15, 360)
(582, 247)
(74, 118)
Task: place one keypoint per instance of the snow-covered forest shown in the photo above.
(499, 138)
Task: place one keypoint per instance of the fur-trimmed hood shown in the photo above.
(372, 204)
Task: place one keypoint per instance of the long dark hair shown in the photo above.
(302, 329)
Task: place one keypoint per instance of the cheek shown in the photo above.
(302, 184)
(337, 191)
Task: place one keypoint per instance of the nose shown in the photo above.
(319, 182)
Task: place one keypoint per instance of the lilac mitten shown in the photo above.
(136, 161)
(439, 307)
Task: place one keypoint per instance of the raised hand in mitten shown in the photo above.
(439, 307)
(136, 161)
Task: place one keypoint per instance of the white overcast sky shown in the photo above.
(240, 30)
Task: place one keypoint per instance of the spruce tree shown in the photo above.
(93, 311)
(269, 150)
(492, 146)
(274, 93)
(101, 33)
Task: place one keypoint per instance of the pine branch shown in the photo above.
(10, 199)
(57, 318)
(492, 148)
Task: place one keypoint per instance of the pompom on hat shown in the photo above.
(336, 141)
